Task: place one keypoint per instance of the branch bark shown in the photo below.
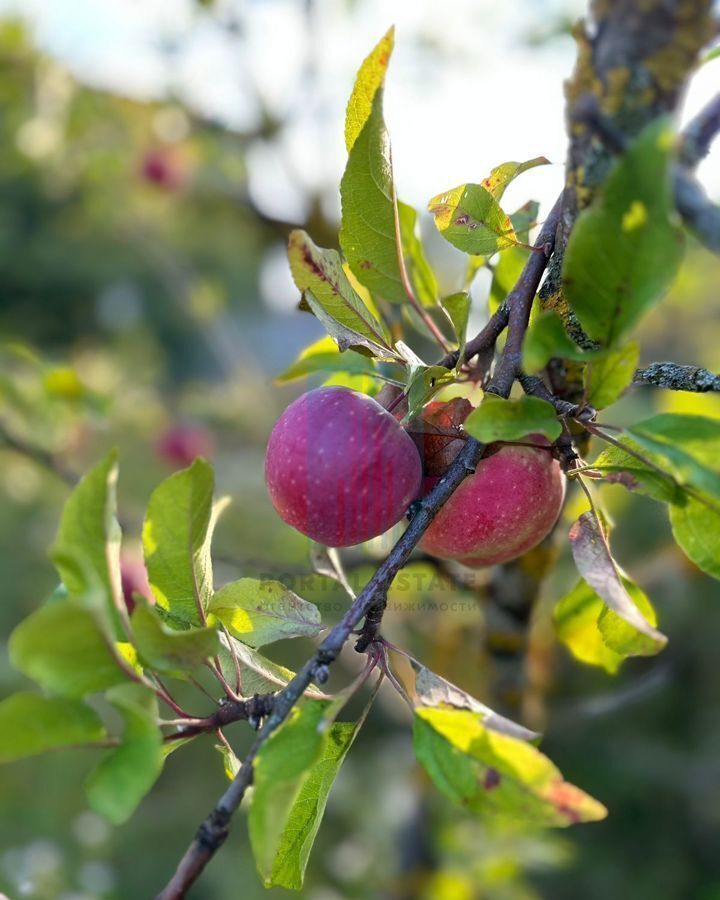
(253, 710)
(678, 378)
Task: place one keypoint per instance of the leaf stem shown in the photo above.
(414, 302)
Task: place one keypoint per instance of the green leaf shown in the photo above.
(490, 773)
(293, 773)
(422, 278)
(231, 764)
(597, 567)
(319, 275)
(607, 377)
(545, 339)
(260, 612)
(369, 80)
(696, 528)
(595, 634)
(425, 381)
(524, 218)
(167, 650)
(363, 384)
(689, 445)
(471, 219)
(501, 176)
(509, 265)
(126, 774)
(616, 465)
(31, 724)
(259, 674)
(369, 233)
(62, 648)
(624, 251)
(176, 540)
(325, 356)
(88, 526)
(305, 816)
(497, 419)
(457, 306)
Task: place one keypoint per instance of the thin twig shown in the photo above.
(253, 710)
(520, 300)
(536, 387)
(484, 340)
(698, 212)
(414, 302)
(164, 694)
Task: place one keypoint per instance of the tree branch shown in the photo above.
(678, 378)
(520, 300)
(253, 710)
(214, 830)
(698, 212)
(699, 134)
(484, 340)
(536, 387)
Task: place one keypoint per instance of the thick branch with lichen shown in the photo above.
(678, 378)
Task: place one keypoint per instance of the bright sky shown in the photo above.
(465, 90)
(468, 88)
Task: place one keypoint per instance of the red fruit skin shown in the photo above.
(181, 444)
(339, 468)
(164, 168)
(134, 579)
(503, 510)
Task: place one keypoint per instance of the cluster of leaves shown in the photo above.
(87, 654)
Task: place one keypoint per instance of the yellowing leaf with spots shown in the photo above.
(471, 219)
(501, 176)
(260, 612)
(624, 250)
(494, 774)
(319, 274)
(369, 81)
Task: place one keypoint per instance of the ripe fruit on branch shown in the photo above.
(503, 510)
(340, 468)
(439, 437)
(164, 167)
